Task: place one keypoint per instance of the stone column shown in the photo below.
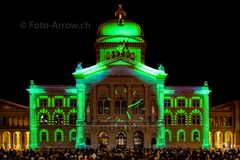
(33, 117)
(206, 126)
(81, 94)
(161, 142)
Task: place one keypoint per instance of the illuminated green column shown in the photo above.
(80, 137)
(161, 142)
(206, 125)
(33, 117)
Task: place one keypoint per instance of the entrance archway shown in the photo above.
(138, 139)
(103, 139)
(228, 137)
(6, 140)
(26, 140)
(121, 139)
(17, 140)
(218, 136)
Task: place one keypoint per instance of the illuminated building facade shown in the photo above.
(120, 101)
(14, 126)
(225, 125)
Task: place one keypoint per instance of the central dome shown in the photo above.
(113, 28)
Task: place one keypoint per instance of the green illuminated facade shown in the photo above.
(119, 101)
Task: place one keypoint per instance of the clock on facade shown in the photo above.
(128, 112)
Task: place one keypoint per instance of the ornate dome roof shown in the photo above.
(113, 28)
(120, 27)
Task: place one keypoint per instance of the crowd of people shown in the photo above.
(120, 154)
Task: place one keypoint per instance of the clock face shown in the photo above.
(133, 112)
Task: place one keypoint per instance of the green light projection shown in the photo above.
(41, 112)
(181, 112)
(56, 134)
(72, 111)
(195, 112)
(40, 135)
(111, 28)
(60, 112)
(161, 139)
(181, 135)
(181, 98)
(196, 98)
(70, 134)
(169, 112)
(80, 123)
(169, 98)
(192, 135)
(168, 131)
(204, 91)
(34, 90)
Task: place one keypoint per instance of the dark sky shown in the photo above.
(194, 41)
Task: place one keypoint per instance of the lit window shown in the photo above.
(195, 103)
(43, 119)
(168, 119)
(195, 136)
(73, 102)
(58, 119)
(196, 119)
(167, 103)
(181, 119)
(58, 102)
(43, 102)
(44, 136)
(181, 102)
(73, 118)
(59, 136)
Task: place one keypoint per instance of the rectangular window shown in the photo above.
(195, 103)
(73, 102)
(58, 102)
(181, 102)
(167, 103)
(43, 102)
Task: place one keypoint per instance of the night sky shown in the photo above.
(195, 42)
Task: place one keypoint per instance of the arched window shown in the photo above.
(106, 107)
(181, 135)
(212, 122)
(138, 139)
(121, 139)
(59, 136)
(103, 138)
(43, 119)
(73, 118)
(73, 136)
(216, 121)
(225, 121)
(168, 119)
(100, 107)
(195, 119)
(168, 135)
(181, 119)
(221, 121)
(58, 119)
(195, 136)
(44, 136)
(120, 106)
